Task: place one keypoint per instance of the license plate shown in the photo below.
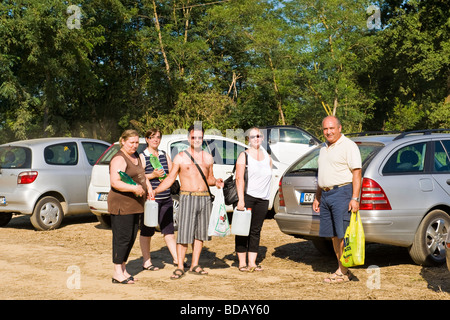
(307, 197)
(102, 197)
(2, 201)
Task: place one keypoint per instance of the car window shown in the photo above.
(179, 146)
(442, 156)
(294, 136)
(309, 163)
(224, 152)
(93, 150)
(107, 156)
(15, 157)
(61, 154)
(408, 159)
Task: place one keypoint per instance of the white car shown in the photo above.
(224, 151)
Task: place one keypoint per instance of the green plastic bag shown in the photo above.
(354, 243)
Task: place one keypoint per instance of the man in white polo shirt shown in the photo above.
(339, 185)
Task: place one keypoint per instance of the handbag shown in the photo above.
(219, 225)
(175, 188)
(354, 243)
(229, 188)
(203, 176)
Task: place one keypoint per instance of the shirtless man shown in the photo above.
(195, 203)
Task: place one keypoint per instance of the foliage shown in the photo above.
(230, 64)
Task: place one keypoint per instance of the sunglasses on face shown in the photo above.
(196, 138)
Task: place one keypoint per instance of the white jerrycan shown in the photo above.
(151, 213)
(240, 225)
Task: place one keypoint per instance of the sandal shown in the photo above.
(198, 271)
(126, 281)
(339, 278)
(257, 268)
(243, 269)
(177, 274)
(150, 268)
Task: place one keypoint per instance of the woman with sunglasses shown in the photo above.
(253, 193)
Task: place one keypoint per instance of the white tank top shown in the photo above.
(259, 177)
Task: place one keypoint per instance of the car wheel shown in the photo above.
(47, 214)
(428, 248)
(176, 207)
(324, 246)
(5, 218)
(105, 220)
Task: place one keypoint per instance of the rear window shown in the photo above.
(107, 156)
(308, 164)
(15, 157)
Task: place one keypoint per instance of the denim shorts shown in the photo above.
(334, 214)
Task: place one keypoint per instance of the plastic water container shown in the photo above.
(241, 222)
(151, 213)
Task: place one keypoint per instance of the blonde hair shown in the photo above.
(127, 134)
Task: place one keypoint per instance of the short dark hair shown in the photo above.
(195, 127)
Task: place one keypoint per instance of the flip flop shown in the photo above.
(197, 270)
(150, 268)
(257, 268)
(126, 281)
(243, 269)
(177, 275)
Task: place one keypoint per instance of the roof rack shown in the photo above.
(425, 132)
(365, 133)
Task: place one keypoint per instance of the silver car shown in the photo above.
(405, 197)
(46, 178)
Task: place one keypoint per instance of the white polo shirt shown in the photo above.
(337, 161)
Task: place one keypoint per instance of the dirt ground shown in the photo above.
(74, 263)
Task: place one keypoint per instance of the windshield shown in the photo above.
(15, 157)
(107, 156)
(308, 164)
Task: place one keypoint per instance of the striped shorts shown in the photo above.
(193, 218)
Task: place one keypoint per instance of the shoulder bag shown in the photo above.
(229, 188)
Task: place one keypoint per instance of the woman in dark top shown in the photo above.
(126, 202)
(164, 199)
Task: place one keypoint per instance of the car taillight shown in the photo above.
(280, 194)
(373, 196)
(26, 177)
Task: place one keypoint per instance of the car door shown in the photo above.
(405, 181)
(65, 173)
(441, 164)
(289, 144)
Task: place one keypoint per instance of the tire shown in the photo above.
(176, 208)
(324, 246)
(48, 214)
(105, 220)
(5, 218)
(428, 248)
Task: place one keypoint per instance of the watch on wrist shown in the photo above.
(356, 199)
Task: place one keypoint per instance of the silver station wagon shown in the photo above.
(405, 197)
(46, 178)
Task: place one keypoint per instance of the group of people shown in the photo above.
(337, 194)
